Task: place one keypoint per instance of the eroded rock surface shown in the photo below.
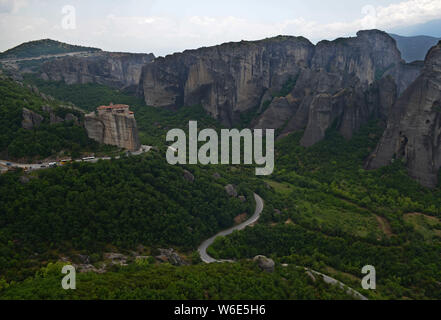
(413, 131)
(120, 70)
(31, 119)
(113, 125)
(264, 263)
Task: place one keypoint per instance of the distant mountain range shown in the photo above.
(414, 48)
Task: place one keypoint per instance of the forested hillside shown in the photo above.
(43, 47)
(43, 141)
(122, 203)
(143, 281)
(153, 123)
(328, 213)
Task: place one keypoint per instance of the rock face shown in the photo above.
(171, 256)
(113, 125)
(31, 119)
(293, 84)
(119, 70)
(265, 263)
(349, 81)
(227, 79)
(413, 131)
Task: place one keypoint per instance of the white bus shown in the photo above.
(88, 158)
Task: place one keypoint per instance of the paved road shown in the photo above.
(204, 246)
(45, 165)
(335, 282)
(205, 257)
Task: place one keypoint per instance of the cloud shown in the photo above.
(163, 34)
(12, 6)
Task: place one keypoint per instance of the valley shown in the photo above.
(355, 180)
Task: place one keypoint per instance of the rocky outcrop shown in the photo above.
(226, 80)
(231, 190)
(188, 176)
(54, 119)
(279, 110)
(349, 110)
(346, 81)
(413, 132)
(170, 255)
(31, 119)
(119, 70)
(113, 127)
(265, 263)
(71, 118)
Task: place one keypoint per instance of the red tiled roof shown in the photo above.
(115, 106)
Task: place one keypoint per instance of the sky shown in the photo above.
(167, 26)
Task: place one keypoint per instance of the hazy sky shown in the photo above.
(167, 26)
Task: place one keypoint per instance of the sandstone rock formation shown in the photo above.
(413, 131)
(346, 81)
(119, 70)
(113, 125)
(227, 79)
(31, 119)
(349, 82)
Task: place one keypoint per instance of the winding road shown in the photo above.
(204, 246)
(46, 165)
(206, 258)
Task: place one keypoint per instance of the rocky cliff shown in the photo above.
(119, 70)
(348, 82)
(32, 120)
(109, 126)
(345, 81)
(227, 79)
(413, 132)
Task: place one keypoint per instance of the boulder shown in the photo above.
(231, 190)
(169, 255)
(265, 263)
(216, 175)
(188, 176)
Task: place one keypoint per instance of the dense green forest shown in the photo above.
(329, 213)
(124, 203)
(143, 281)
(46, 140)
